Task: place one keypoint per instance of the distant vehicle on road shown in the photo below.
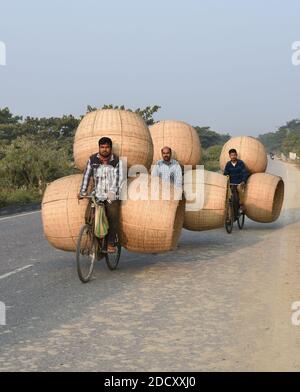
(271, 155)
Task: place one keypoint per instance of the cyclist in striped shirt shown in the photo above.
(107, 172)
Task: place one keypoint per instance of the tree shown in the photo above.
(210, 138)
(31, 165)
(6, 117)
(211, 157)
(286, 139)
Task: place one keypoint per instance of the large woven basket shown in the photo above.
(150, 226)
(264, 197)
(128, 131)
(212, 215)
(181, 137)
(250, 150)
(62, 213)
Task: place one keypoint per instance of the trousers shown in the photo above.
(112, 212)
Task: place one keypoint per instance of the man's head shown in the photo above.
(166, 153)
(105, 146)
(233, 155)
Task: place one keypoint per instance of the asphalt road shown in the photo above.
(219, 302)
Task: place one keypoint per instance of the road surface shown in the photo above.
(219, 302)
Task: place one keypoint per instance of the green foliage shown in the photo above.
(210, 158)
(22, 195)
(29, 164)
(286, 139)
(210, 138)
(32, 153)
(212, 143)
(6, 117)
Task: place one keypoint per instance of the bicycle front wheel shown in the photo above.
(86, 253)
(112, 259)
(229, 218)
(241, 221)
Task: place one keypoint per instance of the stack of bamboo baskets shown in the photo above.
(153, 225)
(264, 192)
(145, 225)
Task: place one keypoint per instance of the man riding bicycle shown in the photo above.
(107, 171)
(238, 175)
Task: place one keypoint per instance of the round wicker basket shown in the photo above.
(250, 150)
(212, 215)
(150, 226)
(129, 133)
(62, 213)
(264, 197)
(181, 137)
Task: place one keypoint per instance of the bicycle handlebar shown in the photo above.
(91, 196)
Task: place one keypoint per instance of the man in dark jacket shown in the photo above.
(237, 172)
(108, 174)
(236, 169)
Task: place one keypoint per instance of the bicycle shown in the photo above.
(91, 248)
(233, 210)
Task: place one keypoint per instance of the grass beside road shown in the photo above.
(18, 196)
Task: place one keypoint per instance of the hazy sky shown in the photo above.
(224, 64)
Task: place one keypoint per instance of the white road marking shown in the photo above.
(17, 215)
(15, 271)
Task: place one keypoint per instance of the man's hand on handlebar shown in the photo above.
(80, 196)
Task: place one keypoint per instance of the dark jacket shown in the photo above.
(237, 173)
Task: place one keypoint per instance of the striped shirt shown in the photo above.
(108, 179)
(168, 171)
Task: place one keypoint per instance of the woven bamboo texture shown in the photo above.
(264, 197)
(250, 150)
(212, 215)
(128, 131)
(181, 137)
(150, 226)
(62, 213)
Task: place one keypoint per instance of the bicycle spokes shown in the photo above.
(86, 253)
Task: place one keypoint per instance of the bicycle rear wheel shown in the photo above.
(86, 253)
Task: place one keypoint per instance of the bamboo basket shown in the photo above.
(212, 215)
(150, 226)
(264, 197)
(250, 150)
(129, 133)
(62, 213)
(181, 137)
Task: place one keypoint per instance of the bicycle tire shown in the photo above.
(85, 273)
(229, 219)
(112, 259)
(241, 221)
